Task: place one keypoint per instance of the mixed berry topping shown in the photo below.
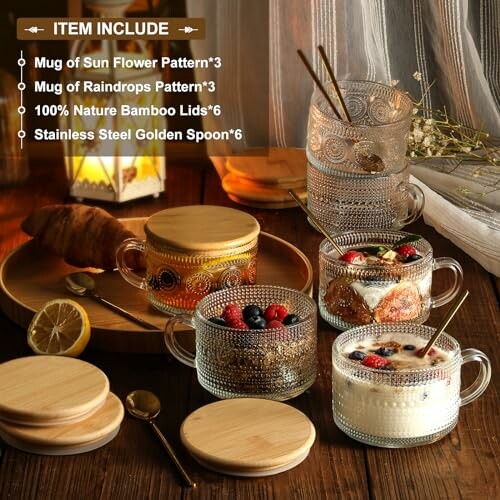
(392, 355)
(401, 252)
(251, 317)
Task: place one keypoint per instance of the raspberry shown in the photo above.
(232, 312)
(275, 311)
(405, 250)
(274, 323)
(239, 324)
(353, 257)
(374, 361)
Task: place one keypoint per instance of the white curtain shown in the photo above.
(455, 43)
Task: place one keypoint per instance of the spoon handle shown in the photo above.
(124, 313)
(189, 482)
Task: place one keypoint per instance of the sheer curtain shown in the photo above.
(453, 43)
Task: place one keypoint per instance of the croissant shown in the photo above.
(84, 236)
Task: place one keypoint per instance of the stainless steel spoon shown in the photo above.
(146, 406)
(83, 285)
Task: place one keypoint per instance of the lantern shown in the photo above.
(99, 166)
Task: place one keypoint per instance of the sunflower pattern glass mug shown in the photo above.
(191, 251)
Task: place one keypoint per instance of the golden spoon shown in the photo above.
(454, 308)
(146, 406)
(83, 285)
(315, 221)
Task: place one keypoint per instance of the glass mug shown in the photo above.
(354, 294)
(276, 364)
(343, 201)
(191, 251)
(406, 407)
(380, 123)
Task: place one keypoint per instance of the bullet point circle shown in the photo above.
(21, 134)
(21, 110)
(21, 85)
(21, 61)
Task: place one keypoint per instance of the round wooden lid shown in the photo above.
(247, 433)
(58, 450)
(279, 166)
(232, 185)
(201, 228)
(98, 425)
(48, 390)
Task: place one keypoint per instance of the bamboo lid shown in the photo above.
(98, 425)
(201, 228)
(245, 435)
(278, 166)
(49, 390)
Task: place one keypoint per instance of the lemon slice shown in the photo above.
(61, 327)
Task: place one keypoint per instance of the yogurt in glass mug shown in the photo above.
(385, 394)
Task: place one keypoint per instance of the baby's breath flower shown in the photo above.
(418, 76)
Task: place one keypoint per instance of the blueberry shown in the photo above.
(384, 351)
(256, 323)
(413, 258)
(217, 320)
(252, 311)
(409, 347)
(291, 319)
(357, 355)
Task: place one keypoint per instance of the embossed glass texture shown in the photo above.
(343, 201)
(274, 364)
(351, 294)
(381, 118)
(176, 281)
(407, 407)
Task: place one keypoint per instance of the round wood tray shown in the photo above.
(31, 276)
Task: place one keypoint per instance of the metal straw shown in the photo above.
(315, 221)
(454, 308)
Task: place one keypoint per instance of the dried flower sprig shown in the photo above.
(434, 134)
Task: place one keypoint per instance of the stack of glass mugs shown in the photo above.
(384, 393)
(357, 175)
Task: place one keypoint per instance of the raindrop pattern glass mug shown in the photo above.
(277, 364)
(192, 251)
(407, 407)
(355, 294)
(343, 201)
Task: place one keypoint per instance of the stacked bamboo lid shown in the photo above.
(263, 181)
(248, 437)
(54, 405)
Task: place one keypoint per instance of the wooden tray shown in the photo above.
(31, 276)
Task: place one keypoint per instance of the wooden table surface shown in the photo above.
(464, 464)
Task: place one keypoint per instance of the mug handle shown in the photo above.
(483, 377)
(444, 297)
(415, 209)
(178, 352)
(125, 271)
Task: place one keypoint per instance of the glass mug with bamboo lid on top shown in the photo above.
(191, 251)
